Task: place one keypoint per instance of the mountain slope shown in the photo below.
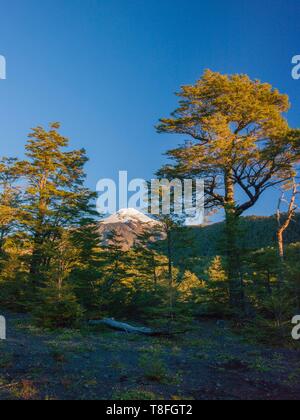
(255, 232)
(127, 224)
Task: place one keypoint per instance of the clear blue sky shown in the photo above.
(107, 69)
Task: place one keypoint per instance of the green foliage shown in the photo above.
(238, 140)
(15, 292)
(135, 395)
(153, 367)
(273, 304)
(57, 308)
(56, 198)
(52, 262)
(39, 228)
(218, 288)
(255, 232)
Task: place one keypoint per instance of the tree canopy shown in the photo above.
(238, 136)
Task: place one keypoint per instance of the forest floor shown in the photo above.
(207, 363)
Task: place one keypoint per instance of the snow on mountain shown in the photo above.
(127, 216)
(127, 224)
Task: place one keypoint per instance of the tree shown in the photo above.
(56, 199)
(146, 256)
(217, 287)
(86, 275)
(10, 200)
(262, 265)
(58, 306)
(114, 260)
(170, 227)
(283, 225)
(239, 141)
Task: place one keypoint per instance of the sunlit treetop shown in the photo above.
(236, 134)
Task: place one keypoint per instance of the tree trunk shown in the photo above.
(282, 227)
(2, 242)
(280, 244)
(129, 329)
(36, 262)
(280, 241)
(123, 327)
(170, 273)
(232, 249)
(154, 272)
(268, 283)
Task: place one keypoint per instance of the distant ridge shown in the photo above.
(255, 232)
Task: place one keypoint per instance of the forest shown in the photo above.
(241, 275)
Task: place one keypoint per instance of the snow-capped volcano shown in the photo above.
(127, 224)
(128, 216)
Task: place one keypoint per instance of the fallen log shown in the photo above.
(129, 329)
(123, 327)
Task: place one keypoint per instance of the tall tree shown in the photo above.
(169, 229)
(114, 260)
(146, 256)
(217, 287)
(10, 199)
(56, 199)
(238, 141)
(284, 221)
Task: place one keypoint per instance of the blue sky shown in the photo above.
(107, 69)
